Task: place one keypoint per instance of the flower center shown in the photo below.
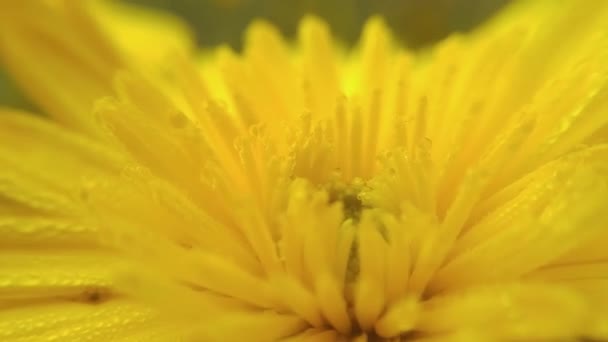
(350, 197)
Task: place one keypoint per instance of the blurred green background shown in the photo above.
(416, 23)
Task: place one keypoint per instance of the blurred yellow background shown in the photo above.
(415, 22)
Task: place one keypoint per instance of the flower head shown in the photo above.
(304, 192)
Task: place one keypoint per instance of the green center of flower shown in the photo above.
(349, 195)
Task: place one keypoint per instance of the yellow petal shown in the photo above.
(73, 321)
(79, 62)
(511, 242)
(533, 311)
(46, 167)
(146, 35)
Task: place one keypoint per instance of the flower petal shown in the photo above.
(146, 35)
(561, 208)
(59, 57)
(517, 311)
(46, 167)
(74, 321)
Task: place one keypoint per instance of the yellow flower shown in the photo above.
(304, 192)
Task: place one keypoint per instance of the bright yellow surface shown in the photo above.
(301, 192)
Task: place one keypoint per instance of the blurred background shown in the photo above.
(416, 23)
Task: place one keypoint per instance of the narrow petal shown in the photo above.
(521, 311)
(512, 242)
(73, 321)
(147, 36)
(46, 167)
(76, 55)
